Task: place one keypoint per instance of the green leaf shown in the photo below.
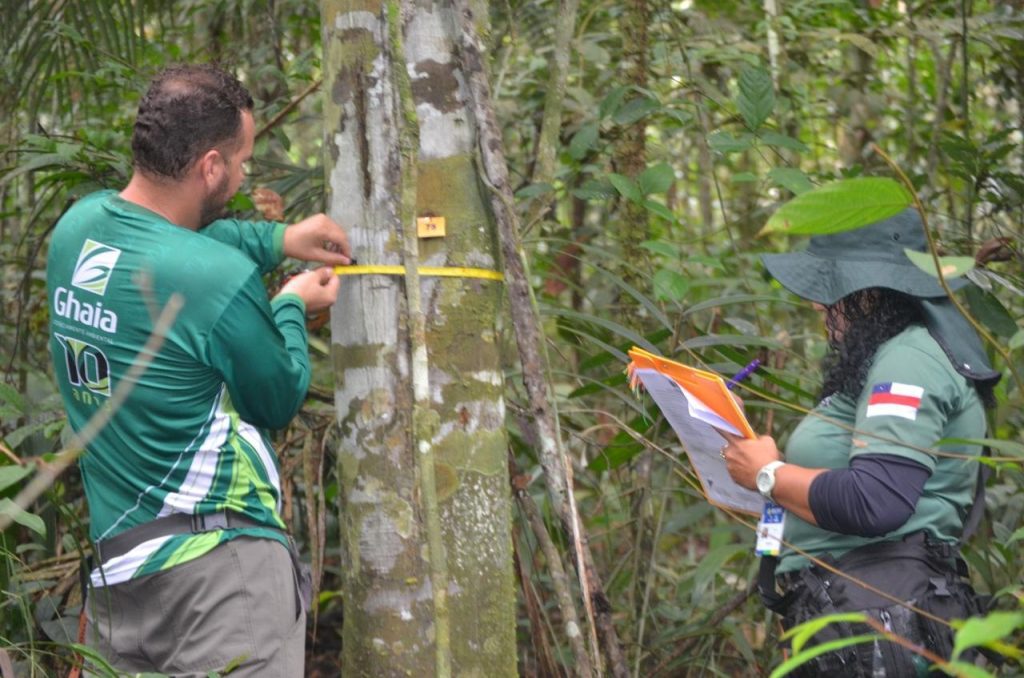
(635, 110)
(662, 248)
(713, 561)
(583, 141)
(757, 96)
(724, 142)
(744, 178)
(791, 179)
(22, 517)
(984, 630)
(533, 190)
(656, 178)
(611, 103)
(626, 187)
(1016, 341)
(965, 670)
(9, 395)
(804, 657)
(619, 451)
(594, 190)
(1016, 536)
(801, 633)
(778, 140)
(730, 340)
(990, 312)
(840, 206)
(670, 285)
(659, 209)
(9, 475)
(952, 267)
(240, 202)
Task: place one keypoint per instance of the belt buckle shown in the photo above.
(207, 522)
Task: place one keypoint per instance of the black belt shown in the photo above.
(176, 523)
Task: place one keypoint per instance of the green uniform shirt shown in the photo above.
(189, 438)
(912, 398)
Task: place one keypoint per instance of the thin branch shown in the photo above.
(942, 278)
(276, 120)
(425, 419)
(544, 416)
(560, 582)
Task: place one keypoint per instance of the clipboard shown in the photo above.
(697, 404)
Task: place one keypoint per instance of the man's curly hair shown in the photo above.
(187, 111)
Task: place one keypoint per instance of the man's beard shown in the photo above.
(212, 206)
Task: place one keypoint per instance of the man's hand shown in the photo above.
(318, 238)
(744, 457)
(317, 288)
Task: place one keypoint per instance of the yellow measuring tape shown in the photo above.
(436, 271)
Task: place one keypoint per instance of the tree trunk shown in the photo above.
(427, 564)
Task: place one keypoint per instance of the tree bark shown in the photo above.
(424, 504)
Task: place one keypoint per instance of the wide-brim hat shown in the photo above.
(839, 264)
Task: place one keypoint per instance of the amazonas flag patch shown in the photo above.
(895, 400)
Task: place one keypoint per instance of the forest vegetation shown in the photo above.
(646, 152)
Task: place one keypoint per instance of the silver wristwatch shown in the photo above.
(765, 479)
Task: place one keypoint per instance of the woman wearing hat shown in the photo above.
(862, 484)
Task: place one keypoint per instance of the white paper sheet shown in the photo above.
(694, 424)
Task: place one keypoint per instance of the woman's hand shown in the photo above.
(744, 457)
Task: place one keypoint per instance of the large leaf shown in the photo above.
(798, 660)
(713, 561)
(984, 630)
(840, 206)
(791, 179)
(952, 267)
(626, 186)
(990, 312)
(772, 138)
(656, 178)
(12, 474)
(965, 670)
(757, 97)
(800, 634)
(22, 517)
(635, 110)
(724, 142)
(669, 284)
(583, 141)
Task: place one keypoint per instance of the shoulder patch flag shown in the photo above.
(894, 399)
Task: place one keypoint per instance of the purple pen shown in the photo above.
(744, 373)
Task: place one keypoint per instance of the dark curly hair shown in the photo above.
(187, 111)
(858, 324)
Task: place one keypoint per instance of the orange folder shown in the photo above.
(707, 386)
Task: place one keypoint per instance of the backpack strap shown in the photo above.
(977, 510)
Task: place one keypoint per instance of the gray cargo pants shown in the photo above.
(237, 605)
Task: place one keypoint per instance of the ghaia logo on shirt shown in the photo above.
(95, 264)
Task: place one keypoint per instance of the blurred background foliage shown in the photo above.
(684, 125)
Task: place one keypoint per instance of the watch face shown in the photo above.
(765, 481)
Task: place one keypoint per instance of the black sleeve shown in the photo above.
(873, 497)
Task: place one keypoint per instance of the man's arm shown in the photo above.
(316, 238)
(260, 349)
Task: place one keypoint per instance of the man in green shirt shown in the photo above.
(192, 567)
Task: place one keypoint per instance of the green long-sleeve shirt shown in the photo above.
(190, 437)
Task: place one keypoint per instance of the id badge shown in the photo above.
(769, 530)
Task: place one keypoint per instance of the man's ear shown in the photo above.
(210, 166)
